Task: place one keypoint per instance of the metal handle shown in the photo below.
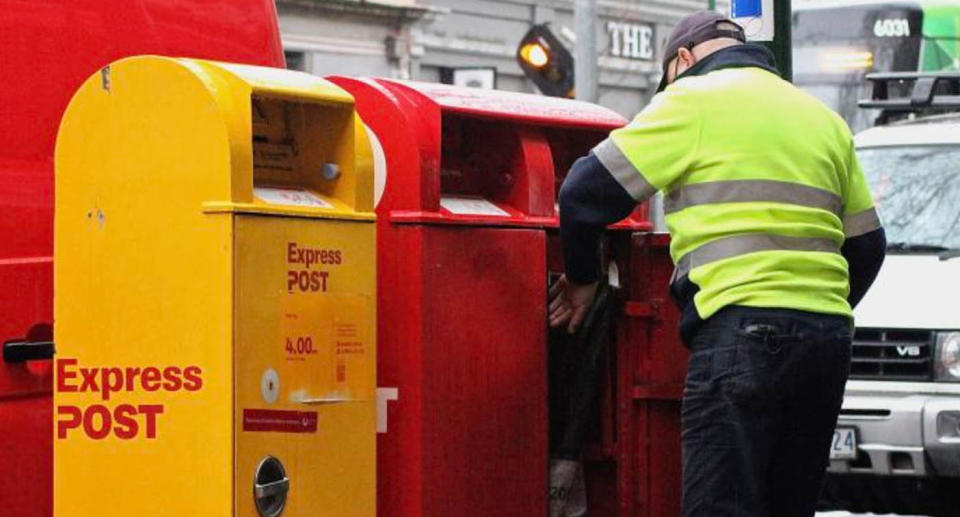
(22, 351)
(271, 489)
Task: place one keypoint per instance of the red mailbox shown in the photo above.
(469, 185)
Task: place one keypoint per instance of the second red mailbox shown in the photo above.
(466, 190)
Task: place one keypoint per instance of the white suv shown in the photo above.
(897, 446)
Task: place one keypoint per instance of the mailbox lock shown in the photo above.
(331, 171)
(270, 487)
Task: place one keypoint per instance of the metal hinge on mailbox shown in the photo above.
(23, 351)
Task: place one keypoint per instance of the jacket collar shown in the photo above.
(737, 56)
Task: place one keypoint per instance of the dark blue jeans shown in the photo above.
(763, 391)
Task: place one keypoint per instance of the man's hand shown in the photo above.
(569, 303)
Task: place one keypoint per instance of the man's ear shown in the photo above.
(684, 55)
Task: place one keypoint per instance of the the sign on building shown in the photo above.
(631, 40)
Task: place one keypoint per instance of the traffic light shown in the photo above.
(546, 62)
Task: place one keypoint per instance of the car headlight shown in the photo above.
(947, 367)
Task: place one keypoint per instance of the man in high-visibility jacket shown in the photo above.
(774, 237)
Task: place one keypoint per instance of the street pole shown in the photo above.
(783, 39)
(758, 30)
(585, 52)
(781, 46)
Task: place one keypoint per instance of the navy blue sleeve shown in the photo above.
(590, 200)
(864, 254)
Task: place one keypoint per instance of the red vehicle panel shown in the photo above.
(47, 48)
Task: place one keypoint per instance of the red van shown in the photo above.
(47, 49)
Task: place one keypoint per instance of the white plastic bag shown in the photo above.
(568, 491)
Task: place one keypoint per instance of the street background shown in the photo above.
(475, 41)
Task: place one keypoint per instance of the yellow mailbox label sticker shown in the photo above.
(349, 345)
(329, 333)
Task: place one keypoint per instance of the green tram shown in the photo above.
(836, 43)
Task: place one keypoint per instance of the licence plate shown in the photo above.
(844, 444)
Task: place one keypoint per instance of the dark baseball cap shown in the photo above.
(693, 30)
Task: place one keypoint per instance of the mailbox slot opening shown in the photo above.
(568, 145)
(294, 140)
(497, 161)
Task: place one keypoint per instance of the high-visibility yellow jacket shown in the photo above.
(761, 188)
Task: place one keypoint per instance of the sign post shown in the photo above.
(767, 22)
(585, 52)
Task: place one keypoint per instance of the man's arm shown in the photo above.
(647, 155)
(864, 254)
(590, 200)
(627, 168)
(866, 242)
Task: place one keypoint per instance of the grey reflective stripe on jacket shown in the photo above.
(623, 171)
(861, 222)
(743, 191)
(742, 244)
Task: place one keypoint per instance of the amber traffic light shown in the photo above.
(546, 62)
(535, 55)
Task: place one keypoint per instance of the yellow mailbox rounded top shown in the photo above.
(224, 137)
(215, 273)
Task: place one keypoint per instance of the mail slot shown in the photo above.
(215, 295)
(466, 198)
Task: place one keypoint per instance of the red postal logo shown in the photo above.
(302, 277)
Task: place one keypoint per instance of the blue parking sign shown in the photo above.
(745, 8)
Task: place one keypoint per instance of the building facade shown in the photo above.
(474, 42)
